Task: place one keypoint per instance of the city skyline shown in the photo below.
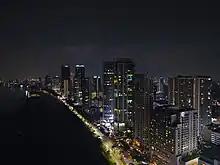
(162, 39)
(100, 74)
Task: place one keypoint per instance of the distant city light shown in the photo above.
(79, 65)
(183, 114)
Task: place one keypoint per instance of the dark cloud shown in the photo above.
(162, 38)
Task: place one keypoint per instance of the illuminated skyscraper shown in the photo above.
(96, 86)
(96, 91)
(192, 92)
(108, 91)
(143, 106)
(118, 81)
(124, 91)
(56, 83)
(86, 92)
(65, 72)
(65, 80)
(66, 87)
(71, 92)
(79, 84)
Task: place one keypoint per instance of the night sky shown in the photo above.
(162, 38)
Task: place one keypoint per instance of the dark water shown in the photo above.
(42, 131)
(10, 100)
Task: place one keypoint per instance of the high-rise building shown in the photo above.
(96, 91)
(86, 92)
(48, 81)
(173, 134)
(118, 85)
(96, 86)
(71, 92)
(215, 136)
(143, 105)
(40, 83)
(108, 91)
(192, 92)
(79, 84)
(160, 84)
(65, 72)
(66, 88)
(56, 83)
(155, 91)
(65, 80)
(124, 91)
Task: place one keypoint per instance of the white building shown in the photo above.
(173, 134)
(215, 137)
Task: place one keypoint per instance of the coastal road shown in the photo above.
(105, 140)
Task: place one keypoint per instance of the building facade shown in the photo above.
(79, 84)
(124, 91)
(118, 92)
(48, 82)
(96, 87)
(143, 106)
(215, 135)
(173, 134)
(86, 92)
(192, 92)
(96, 94)
(56, 84)
(65, 80)
(108, 91)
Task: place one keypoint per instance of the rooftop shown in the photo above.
(191, 77)
(190, 156)
(161, 102)
(214, 128)
(211, 152)
(172, 109)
